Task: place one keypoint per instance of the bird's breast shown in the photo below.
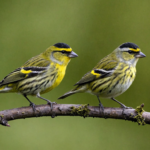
(115, 84)
(55, 78)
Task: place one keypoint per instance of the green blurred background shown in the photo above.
(93, 28)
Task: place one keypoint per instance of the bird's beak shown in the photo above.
(140, 55)
(72, 54)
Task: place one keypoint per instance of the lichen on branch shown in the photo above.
(137, 115)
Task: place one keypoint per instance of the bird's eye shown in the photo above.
(63, 52)
(130, 52)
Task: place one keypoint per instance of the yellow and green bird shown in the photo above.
(112, 76)
(39, 74)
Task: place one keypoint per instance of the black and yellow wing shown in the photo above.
(102, 70)
(27, 71)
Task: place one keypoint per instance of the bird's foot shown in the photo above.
(51, 104)
(33, 106)
(101, 108)
(125, 107)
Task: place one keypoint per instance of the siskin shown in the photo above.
(112, 76)
(39, 74)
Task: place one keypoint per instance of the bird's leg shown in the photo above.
(100, 105)
(122, 105)
(31, 104)
(48, 101)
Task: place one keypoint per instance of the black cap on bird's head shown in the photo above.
(129, 45)
(61, 45)
(132, 49)
(65, 49)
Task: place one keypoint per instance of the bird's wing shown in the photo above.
(37, 61)
(28, 70)
(100, 71)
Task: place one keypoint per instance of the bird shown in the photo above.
(112, 76)
(40, 74)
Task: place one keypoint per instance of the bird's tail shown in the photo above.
(67, 94)
(78, 89)
(5, 88)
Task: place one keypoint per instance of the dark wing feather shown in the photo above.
(100, 71)
(22, 73)
(88, 77)
(12, 77)
(26, 71)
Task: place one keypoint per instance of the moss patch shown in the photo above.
(139, 110)
(1, 116)
(81, 110)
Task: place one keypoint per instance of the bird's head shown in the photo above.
(129, 53)
(60, 53)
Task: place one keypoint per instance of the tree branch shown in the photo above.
(136, 115)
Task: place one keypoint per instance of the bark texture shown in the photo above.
(137, 115)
